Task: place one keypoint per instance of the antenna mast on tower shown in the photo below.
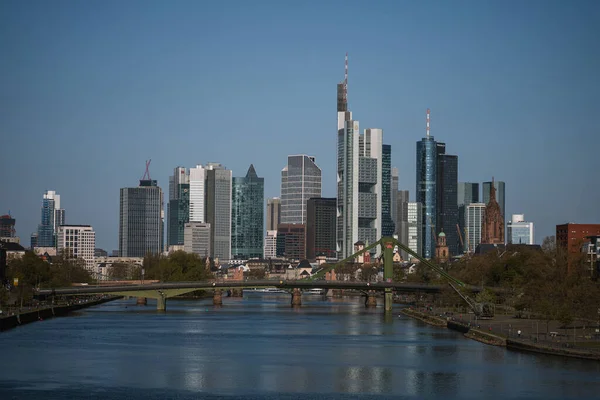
(427, 129)
(147, 173)
(346, 79)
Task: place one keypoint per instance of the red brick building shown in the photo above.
(572, 236)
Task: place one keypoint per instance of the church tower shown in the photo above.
(492, 228)
(441, 248)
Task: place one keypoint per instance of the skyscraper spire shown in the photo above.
(346, 80)
(427, 128)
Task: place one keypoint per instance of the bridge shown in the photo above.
(162, 291)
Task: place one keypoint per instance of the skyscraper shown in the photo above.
(52, 217)
(473, 222)
(414, 229)
(426, 189)
(247, 229)
(197, 238)
(402, 220)
(141, 220)
(467, 193)
(446, 197)
(273, 213)
(197, 181)
(300, 181)
(394, 198)
(7, 226)
(178, 208)
(500, 195)
(519, 231)
(320, 227)
(387, 223)
(218, 209)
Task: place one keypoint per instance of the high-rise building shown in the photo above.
(402, 220)
(414, 228)
(273, 213)
(387, 223)
(270, 249)
(320, 227)
(394, 198)
(78, 241)
(33, 240)
(7, 226)
(197, 238)
(446, 197)
(247, 218)
(218, 209)
(178, 208)
(500, 195)
(291, 241)
(52, 217)
(426, 189)
(300, 181)
(473, 222)
(141, 220)
(467, 193)
(197, 181)
(519, 231)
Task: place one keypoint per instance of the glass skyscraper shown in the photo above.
(446, 193)
(426, 193)
(300, 181)
(387, 223)
(178, 208)
(52, 217)
(247, 229)
(320, 227)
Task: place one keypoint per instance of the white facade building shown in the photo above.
(197, 238)
(197, 180)
(473, 221)
(519, 231)
(78, 241)
(300, 181)
(414, 222)
(270, 246)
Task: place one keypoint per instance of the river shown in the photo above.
(259, 347)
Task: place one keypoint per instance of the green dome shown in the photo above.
(442, 234)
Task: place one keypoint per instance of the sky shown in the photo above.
(92, 89)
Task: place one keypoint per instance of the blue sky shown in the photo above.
(90, 90)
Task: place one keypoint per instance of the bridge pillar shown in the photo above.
(388, 274)
(161, 302)
(371, 300)
(141, 301)
(218, 297)
(296, 297)
(237, 293)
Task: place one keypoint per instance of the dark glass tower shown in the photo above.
(320, 227)
(179, 212)
(467, 193)
(387, 223)
(426, 193)
(247, 229)
(446, 199)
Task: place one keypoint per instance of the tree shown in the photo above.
(256, 273)
(120, 271)
(549, 244)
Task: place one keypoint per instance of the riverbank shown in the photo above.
(493, 339)
(12, 321)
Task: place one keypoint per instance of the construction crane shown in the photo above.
(460, 237)
(147, 172)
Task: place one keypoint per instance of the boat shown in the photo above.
(264, 290)
(317, 291)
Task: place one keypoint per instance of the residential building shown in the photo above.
(270, 249)
(426, 189)
(500, 187)
(7, 226)
(320, 228)
(291, 241)
(414, 221)
(77, 241)
(300, 181)
(218, 209)
(141, 220)
(387, 222)
(446, 197)
(52, 217)
(467, 193)
(572, 237)
(473, 223)
(178, 208)
(519, 231)
(247, 218)
(273, 213)
(197, 238)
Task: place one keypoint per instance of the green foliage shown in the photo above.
(120, 271)
(256, 274)
(177, 266)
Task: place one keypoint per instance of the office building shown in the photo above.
(78, 241)
(270, 249)
(218, 209)
(300, 181)
(247, 216)
(519, 231)
(387, 223)
(197, 202)
(571, 237)
(426, 189)
(467, 193)
(394, 198)
(402, 199)
(320, 228)
(273, 213)
(197, 238)
(291, 241)
(52, 217)
(500, 187)
(446, 197)
(414, 229)
(141, 220)
(7, 226)
(474, 218)
(178, 207)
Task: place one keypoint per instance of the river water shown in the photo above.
(259, 347)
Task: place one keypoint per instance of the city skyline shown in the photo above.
(507, 120)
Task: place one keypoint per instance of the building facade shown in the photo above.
(320, 228)
(273, 213)
(218, 209)
(467, 193)
(78, 241)
(270, 249)
(247, 218)
(414, 229)
(394, 198)
(7, 226)
(571, 237)
(197, 238)
(518, 231)
(291, 241)
(141, 220)
(426, 190)
(178, 207)
(492, 230)
(447, 198)
(402, 200)
(388, 226)
(300, 181)
(197, 202)
(473, 224)
(52, 217)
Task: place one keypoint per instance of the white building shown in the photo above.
(197, 181)
(519, 231)
(197, 238)
(77, 241)
(473, 221)
(415, 230)
(270, 246)
(300, 181)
